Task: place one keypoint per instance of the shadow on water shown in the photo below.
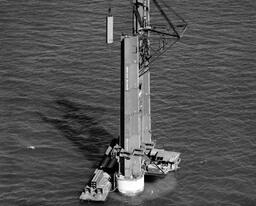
(78, 123)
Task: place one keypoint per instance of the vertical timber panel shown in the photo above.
(145, 108)
(130, 138)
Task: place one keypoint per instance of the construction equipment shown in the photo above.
(133, 155)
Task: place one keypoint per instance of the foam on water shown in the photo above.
(155, 187)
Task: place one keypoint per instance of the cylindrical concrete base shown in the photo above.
(130, 186)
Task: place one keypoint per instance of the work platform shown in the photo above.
(108, 176)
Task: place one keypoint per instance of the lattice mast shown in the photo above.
(141, 24)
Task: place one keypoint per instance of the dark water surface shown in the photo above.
(59, 102)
